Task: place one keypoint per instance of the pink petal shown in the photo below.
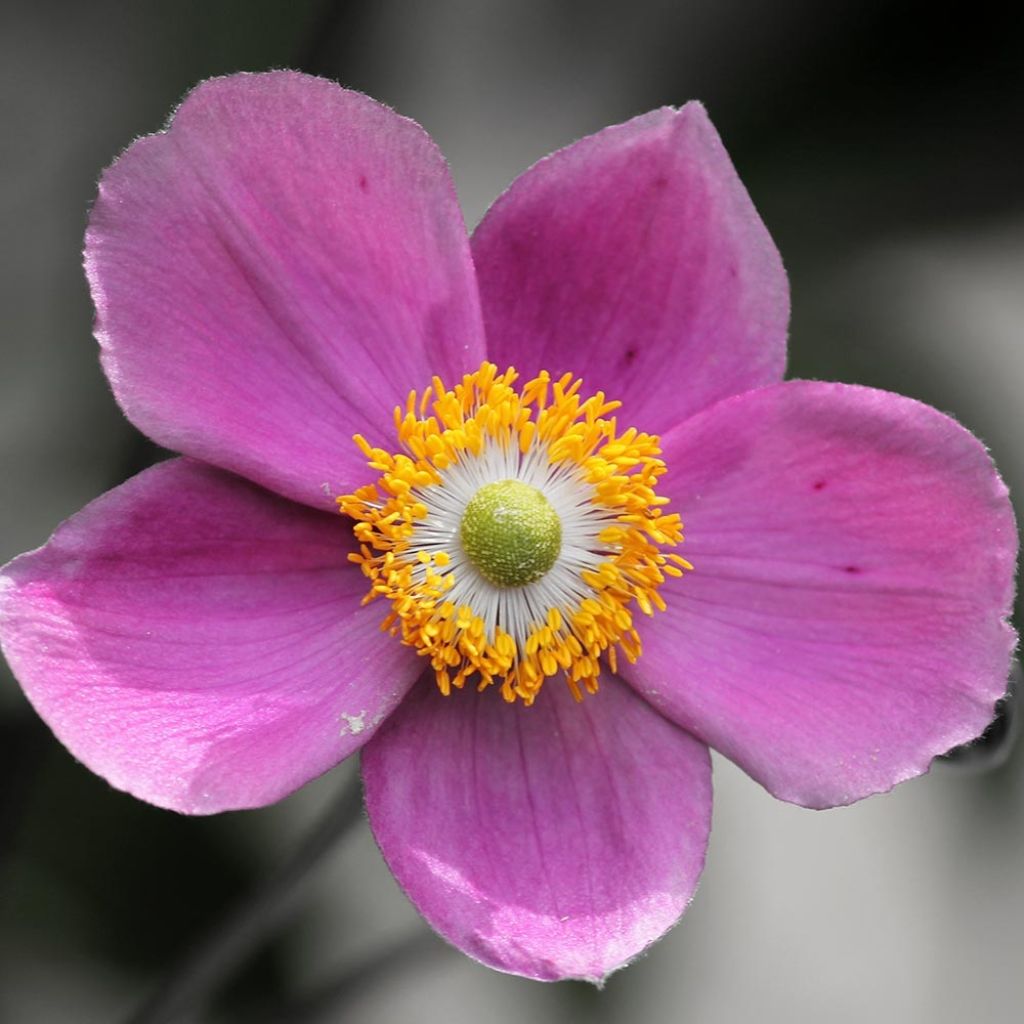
(554, 841)
(200, 643)
(635, 259)
(274, 273)
(854, 555)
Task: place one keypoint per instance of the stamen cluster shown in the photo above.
(600, 482)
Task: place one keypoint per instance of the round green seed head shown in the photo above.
(511, 533)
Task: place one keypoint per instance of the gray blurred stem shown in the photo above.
(217, 957)
(415, 952)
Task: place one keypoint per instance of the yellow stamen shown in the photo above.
(442, 429)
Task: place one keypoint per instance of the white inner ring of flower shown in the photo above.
(518, 610)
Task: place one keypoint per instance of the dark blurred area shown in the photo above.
(883, 146)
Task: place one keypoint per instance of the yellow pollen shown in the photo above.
(441, 582)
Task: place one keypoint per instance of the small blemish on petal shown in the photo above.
(363, 183)
(354, 724)
(819, 485)
(852, 569)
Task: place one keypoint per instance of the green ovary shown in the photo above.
(511, 533)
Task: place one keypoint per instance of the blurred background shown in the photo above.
(883, 145)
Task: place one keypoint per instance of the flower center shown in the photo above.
(515, 533)
(510, 533)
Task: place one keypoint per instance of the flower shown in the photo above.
(283, 267)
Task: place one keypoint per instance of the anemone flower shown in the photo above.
(505, 617)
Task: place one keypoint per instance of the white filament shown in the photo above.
(517, 610)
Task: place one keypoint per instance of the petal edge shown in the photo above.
(553, 842)
(634, 258)
(846, 620)
(200, 643)
(274, 272)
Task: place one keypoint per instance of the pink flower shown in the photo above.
(273, 275)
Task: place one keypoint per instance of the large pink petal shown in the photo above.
(844, 624)
(199, 642)
(636, 260)
(274, 273)
(553, 841)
